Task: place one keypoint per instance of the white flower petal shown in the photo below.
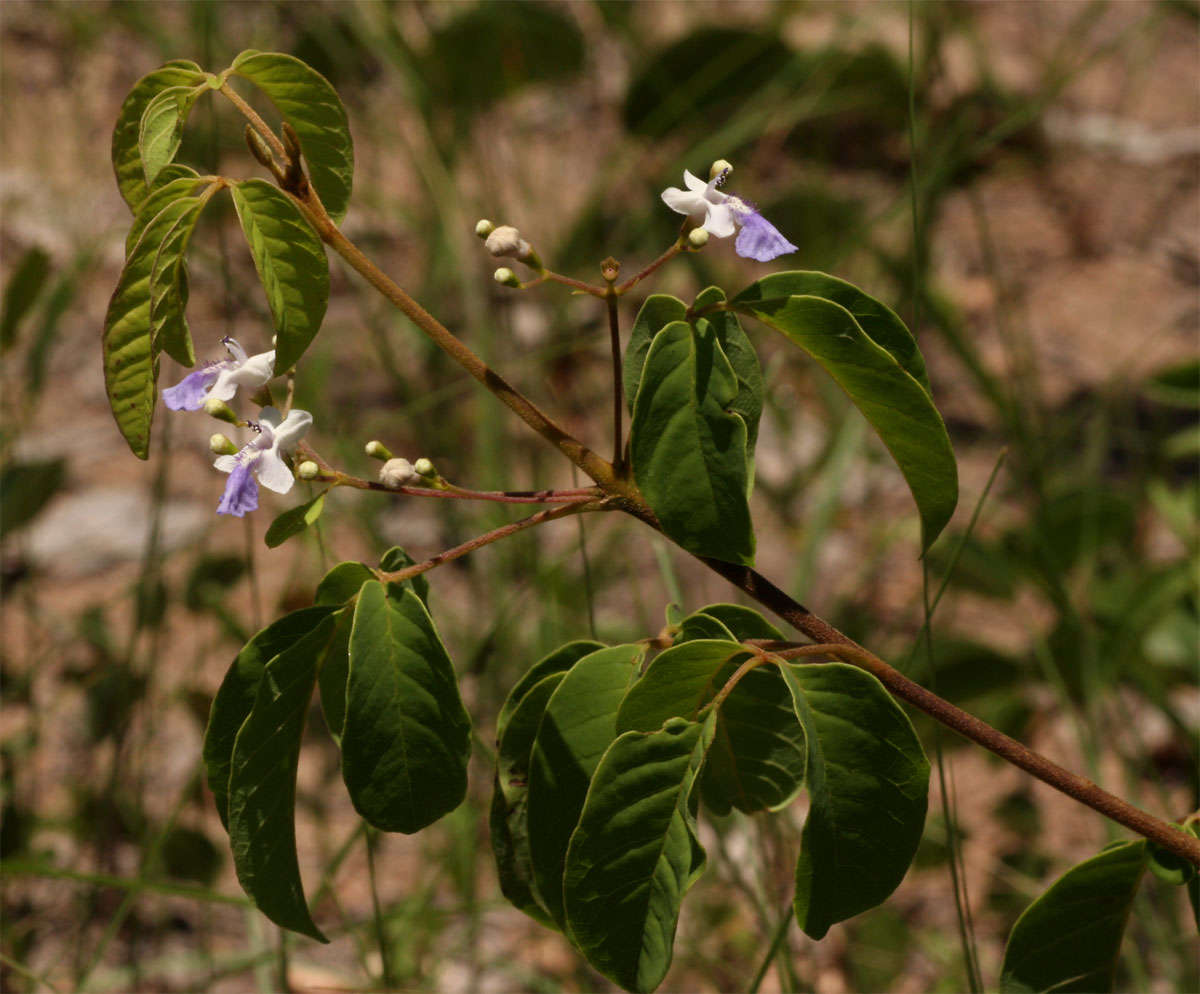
(694, 183)
(720, 222)
(226, 464)
(272, 472)
(682, 202)
(293, 428)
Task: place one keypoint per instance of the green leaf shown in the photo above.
(658, 311)
(635, 853)
(174, 182)
(743, 622)
(1070, 937)
(20, 292)
(342, 583)
(262, 783)
(702, 626)
(578, 725)
(25, 488)
(294, 520)
(689, 452)
(738, 349)
(558, 661)
(161, 128)
(868, 781)
(407, 736)
(895, 404)
(334, 677)
(168, 285)
(130, 357)
(291, 264)
(881, 324)
(307, 101)
(509, 820)
(126, 158)
(397, 559)
(757, 758)
(237, 692)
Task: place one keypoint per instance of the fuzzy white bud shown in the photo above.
(484, 227)
(398, 473)
(308, 470)
(507, 240)
(698, 238)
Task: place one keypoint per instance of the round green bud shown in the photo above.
(506, 277)
(698, 237)
(221, 446)
(377, 450)
(221, 411)
(484, 227)
(425, 467)
(308, 470)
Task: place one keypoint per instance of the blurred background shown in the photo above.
(1018, 180)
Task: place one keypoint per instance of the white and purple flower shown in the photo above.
(262, 458)
(220, 379)
(721, 214)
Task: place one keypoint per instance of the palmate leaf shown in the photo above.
(578, 724)
(126, 158)
(635, 853)
(894, 402)
(757, 758)
(160, 130)
(308, 102)
(129, 352)
(868, 784)
(1070, 937)
(406, 737)
(262, 782)
(689, 452)
(291, 264)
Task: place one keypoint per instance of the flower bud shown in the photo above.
(718, 167)
(221, 446)
(506, 277)
(698, 238)
(425, 467)
(377, 450)
(507, 240)
(221, 411)
(308, 470)
(397, 473)
(484, 227)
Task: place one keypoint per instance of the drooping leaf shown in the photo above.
(334, 676)
(738, 349)
(235, 698)
(509, 814)
(635, 853)
(25, 488)
(342, 582)
(868, 781)
(558, 661)
(262, 783)
(406, 737)
(291, 264)
(130, 358)
(169, 287)
(294, 520)
(307, 101)
(175, 181)
(657, 311)
(126, 159)
(578, 724)
(895, 404)
(880, 323)
(161, 128)
(20, 291)
(743, 622)
(1070, 937)
(702, 626)
(397, 559)
(688, 450)
(757, 758)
